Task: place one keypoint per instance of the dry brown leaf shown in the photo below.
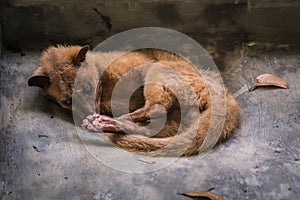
(202, 195)
(268, 80)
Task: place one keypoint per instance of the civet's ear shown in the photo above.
(80, 56)
(39, 79)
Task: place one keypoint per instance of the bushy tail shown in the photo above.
(185, 144)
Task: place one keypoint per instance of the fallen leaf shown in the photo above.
(268, 80)
(202, 195)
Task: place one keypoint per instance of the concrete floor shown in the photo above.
(42, 156)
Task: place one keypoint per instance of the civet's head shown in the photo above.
(57, 72)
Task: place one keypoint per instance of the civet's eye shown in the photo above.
(68, 102)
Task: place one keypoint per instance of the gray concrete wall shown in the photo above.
(29, 22)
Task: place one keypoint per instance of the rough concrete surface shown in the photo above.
(42, 156)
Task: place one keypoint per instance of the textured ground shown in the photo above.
(42, 156)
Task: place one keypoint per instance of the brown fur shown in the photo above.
(61, 65)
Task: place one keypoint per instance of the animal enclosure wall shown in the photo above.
(41, 155)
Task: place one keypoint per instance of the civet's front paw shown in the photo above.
(98, 123)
